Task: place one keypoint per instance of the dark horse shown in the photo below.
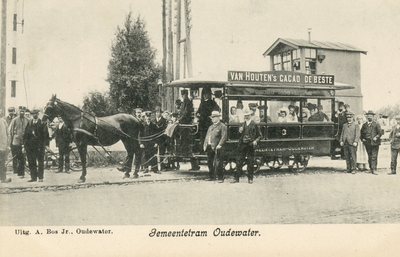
(91, 130)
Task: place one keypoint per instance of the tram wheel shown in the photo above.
(298, 163)
(274, 163)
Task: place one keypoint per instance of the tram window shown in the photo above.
(283, 111)
(236, 108)
(316, 110)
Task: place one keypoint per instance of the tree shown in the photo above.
(390, 110)
(99, 104)
(133, 73)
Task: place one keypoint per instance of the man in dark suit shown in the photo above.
(207, 106)
(63, 137)
(147, 144)
(394, 138)
(36, 137)
(371, 133)
(348, 140)
(161, 125)
(185, 117)
(340, 118)
(214, 141)
(186, 109)
(251, 135)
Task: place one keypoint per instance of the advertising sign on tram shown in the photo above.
(279, 77)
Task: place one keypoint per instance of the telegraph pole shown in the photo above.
(164, 28)
(3, 57)
(188, 47)
(178, 39)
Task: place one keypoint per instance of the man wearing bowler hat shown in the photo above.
(348, 140)
(36, 137)
(214, 141)
(371, 134)
(250, 136)
(394, 138)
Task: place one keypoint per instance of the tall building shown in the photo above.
(316, 57)
(15, 88)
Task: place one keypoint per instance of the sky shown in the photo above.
(66, 44)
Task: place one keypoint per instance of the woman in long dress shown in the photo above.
(362, 157)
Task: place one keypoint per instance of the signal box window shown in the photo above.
(277, 62)
(13, 88)
(311, 60)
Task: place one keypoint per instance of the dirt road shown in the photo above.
(316, 197)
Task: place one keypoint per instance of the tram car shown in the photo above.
(295, 112)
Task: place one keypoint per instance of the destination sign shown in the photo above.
(280, 77)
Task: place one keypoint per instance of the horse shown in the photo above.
(97, 131)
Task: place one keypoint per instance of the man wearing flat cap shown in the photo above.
(16, 130)
(349, 140)
(36, 137)
(371, 134)
(394, 138)
(213, 144)
(11, 115)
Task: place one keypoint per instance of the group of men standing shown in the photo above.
(18, 132)
(369, 135)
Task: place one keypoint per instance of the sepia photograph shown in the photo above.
(199, 127)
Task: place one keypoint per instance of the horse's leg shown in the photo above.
(82, 148)
(127, 165)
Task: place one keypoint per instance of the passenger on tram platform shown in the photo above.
(178, 105)
(185, 117)
(186, 109)
(340, 118)
(207, 106)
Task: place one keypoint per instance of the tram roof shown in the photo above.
(218, 80)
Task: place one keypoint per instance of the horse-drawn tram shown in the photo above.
(295, 113)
